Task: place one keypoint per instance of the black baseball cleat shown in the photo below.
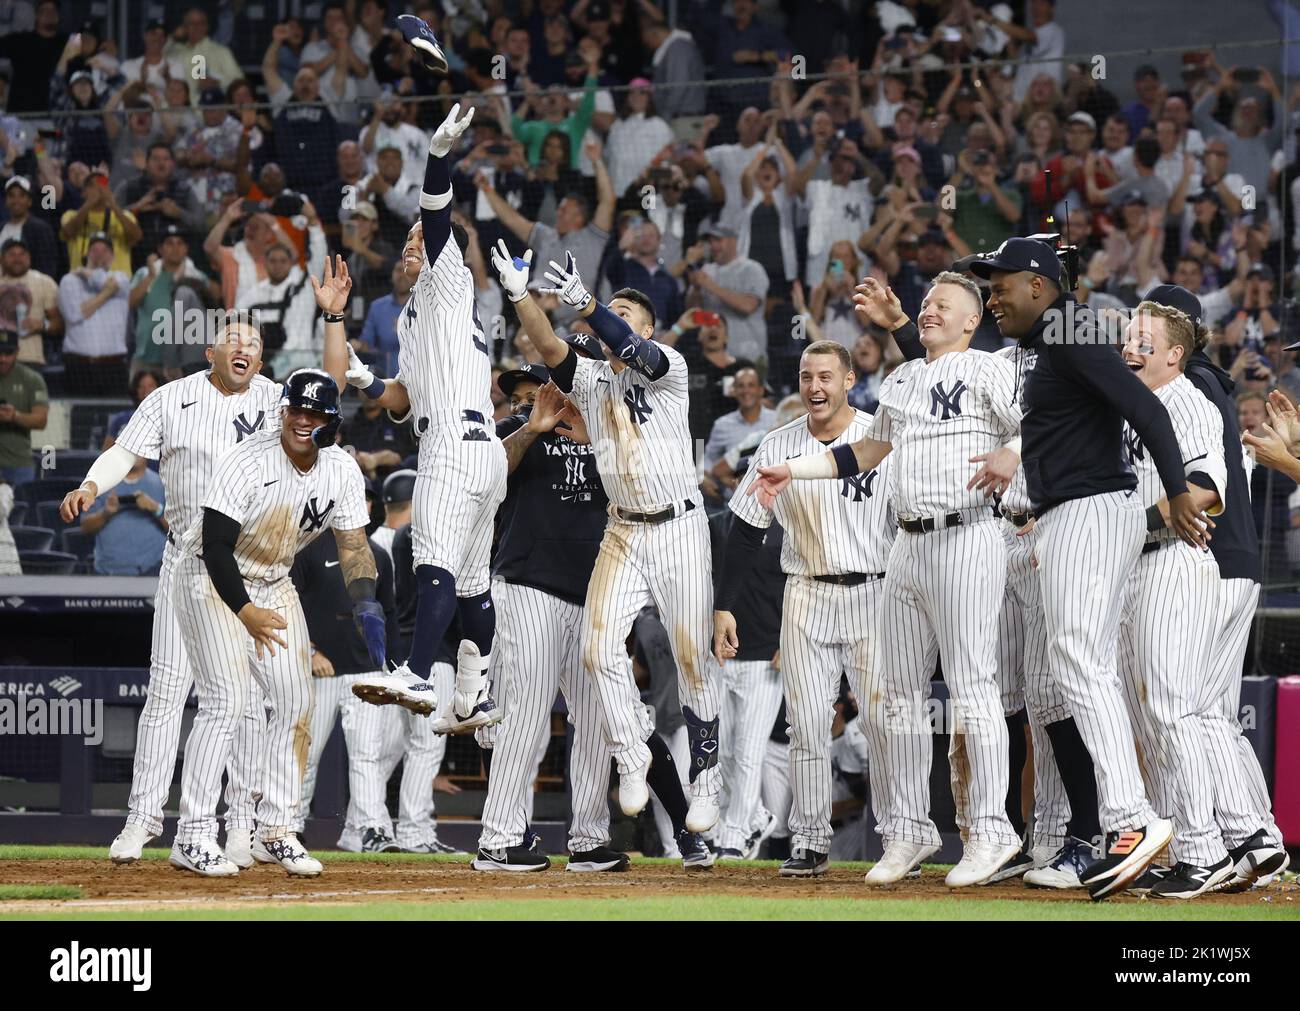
(1186, 881)
(1125, 856)
(1013, 868)
(1255, 859)
(602, 858)
(425, 43)
(1147, 880)
(376, 840)
(515, 858)
(695, 852)
(805, 864)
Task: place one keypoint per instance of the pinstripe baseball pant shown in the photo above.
(776, 796)
(751, 698)
(158, 732)
(225, 666)
(932, 605)
(1086, 551)
(537, 655)
(827, 630)
(668, 565)
(1241, 800)
(1165, 638)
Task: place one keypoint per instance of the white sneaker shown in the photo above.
(634, 792)
(471, 707)
(1063, 870)
(899, 859)
(128, 845)
(703, 814)
(289, 853)
(980, 861)
(203, 857)
(239, 847)
(400, 688)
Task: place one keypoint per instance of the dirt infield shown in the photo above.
(156, 884)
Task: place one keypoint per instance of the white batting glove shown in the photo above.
(445, 137)
(512, 271)
(358, 374)
(568, 285)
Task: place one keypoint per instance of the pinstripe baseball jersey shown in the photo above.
(187, 425)
(442, 352)
(1016, 498)
(938, 414)
(279, 508)
(831, 527)
(1198, 426)
(640, 431)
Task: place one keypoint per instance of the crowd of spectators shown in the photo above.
(745, 167)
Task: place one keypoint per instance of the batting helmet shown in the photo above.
(314, 390)
(399, 486)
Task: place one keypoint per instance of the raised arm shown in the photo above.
(508, 216)
(513, 272)
(603, 217)
(435, 198)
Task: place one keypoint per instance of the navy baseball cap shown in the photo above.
(586, 345)
(538, 374)
(8, 341)
(1016, 255)
(1177, 297)
(211, 96)
(399, 486)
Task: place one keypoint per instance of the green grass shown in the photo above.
(11, 892)
(713, 907)
(158, 853)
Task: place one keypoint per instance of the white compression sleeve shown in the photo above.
(108, 470)
(812, 468)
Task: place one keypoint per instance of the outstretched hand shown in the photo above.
(567, 284)
(878, 303)
(449, 131)
(771, 481)
(512, 270)
(334, 287)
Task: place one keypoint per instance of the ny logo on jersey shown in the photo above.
(575, 471)
(949, 403)
(244, 428)
(1133, 447)
(860, 486)
(313, 516)
(410, 310)
(637, 404)
(477, 335)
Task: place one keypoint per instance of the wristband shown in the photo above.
(157, 513)
(676, 328)
(1154, 520)
(376, 389)
(333, 317)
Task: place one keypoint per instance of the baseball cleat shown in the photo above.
(980, 860)
(239, 847)
(376, 840)
(1147, 880)
(702, 814)
(434, 845)
(485, 713)
(1125, 856)
(203, 857)
(423, 41)
(633, 791)
(1013, 868)
(129, 844)
(1255, 861)
(755, 842)
(289, 853)
(602, 858)
(1062, 870)
(400, 688)
(513, 859)
(695, 852)
(728, 853)
(805, 863)
(899, 859)
(1186, 881)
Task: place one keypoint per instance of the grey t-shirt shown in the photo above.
(746, 335)
(587, 245)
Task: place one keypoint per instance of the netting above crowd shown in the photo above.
(745, 169)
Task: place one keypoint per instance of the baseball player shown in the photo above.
(1241, 802)
(656, 543)
(270, 496)
(942, 412)
(836, 542)
(1023, 680)
(338, 657)
(445, 381)
(187, 425)
(551, 524)
(1090, 525)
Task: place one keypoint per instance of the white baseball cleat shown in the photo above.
(203, 857)
(900, 859)
(702, 814)
(400, 688)
(127, 847)
(471, 707)
(633, 791)
(1063, 869)
(980, 861)
(289, 853)
(239, 847)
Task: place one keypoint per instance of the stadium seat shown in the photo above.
(47, 563)
(47, 515)
(49, 489)
(79, 543)
(66, 463)
(17, 514)
(32, 538)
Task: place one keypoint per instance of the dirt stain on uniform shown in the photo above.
(273, 538)
(687, 657)
(302, 741)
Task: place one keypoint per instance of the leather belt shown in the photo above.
(662, 516)
(1151, 546)
(1018, 519)
(928, 524)
(850, 578)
